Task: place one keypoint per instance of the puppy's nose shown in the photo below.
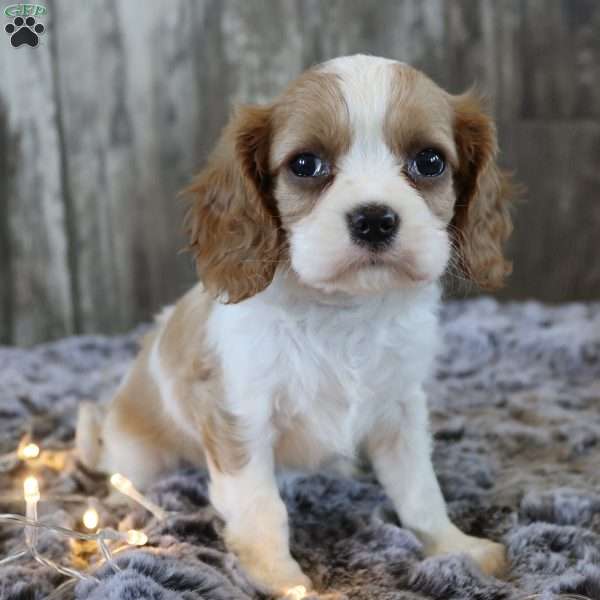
(374, 225)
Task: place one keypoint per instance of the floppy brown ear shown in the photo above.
(481, 221)
(232, 223)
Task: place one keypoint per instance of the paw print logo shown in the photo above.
(24, 31)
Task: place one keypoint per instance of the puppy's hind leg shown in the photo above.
(122, 442)
(88, 435)
(134, 436)
(140, 453)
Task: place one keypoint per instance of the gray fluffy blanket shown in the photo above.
(516, 414)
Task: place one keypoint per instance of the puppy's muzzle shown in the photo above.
(373, 225)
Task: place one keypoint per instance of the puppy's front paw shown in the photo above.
(280, 576)
(490, 556)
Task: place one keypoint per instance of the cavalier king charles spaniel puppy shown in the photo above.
(321, 227)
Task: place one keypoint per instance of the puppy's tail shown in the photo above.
(88, 437)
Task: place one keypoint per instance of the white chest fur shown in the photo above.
(324, 372)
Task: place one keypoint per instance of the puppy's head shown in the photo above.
(361, 177)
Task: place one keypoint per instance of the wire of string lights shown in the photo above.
(29, 453)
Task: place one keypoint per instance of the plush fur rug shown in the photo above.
(516, 415)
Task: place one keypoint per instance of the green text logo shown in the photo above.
(25, 10)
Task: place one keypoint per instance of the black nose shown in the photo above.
(374, 225)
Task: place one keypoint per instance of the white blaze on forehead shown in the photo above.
(366, 83)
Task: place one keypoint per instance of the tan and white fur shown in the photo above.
(301, 346)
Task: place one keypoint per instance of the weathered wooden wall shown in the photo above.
(107, 119)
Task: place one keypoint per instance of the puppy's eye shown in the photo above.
(428, 163)
(309, 165)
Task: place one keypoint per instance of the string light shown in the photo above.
(136, 538)
(296, 593)
(31, 493)
(91, 519)
(107, 534)
(31, 490)
(123, 485)
(28, 451)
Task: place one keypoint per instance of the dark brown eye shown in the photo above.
(309, 165)
(427, 163)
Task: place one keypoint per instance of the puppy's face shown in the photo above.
(363, 154)
(360, 177)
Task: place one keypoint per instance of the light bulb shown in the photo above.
(136, 538)
(29, 451)
(31, 489)
(121, 483)
(90, 518)
(126, 487)
(296, 593)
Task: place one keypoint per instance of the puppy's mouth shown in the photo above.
(402, 265)
(374, 261)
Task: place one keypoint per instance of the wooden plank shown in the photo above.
(129, 145)
(98, 158)
(555, 244)
(410, 31)
(41, 305)
(465, 45)
(168, 118)
(259, 60)
(583, 22)
(482, 51)
(109, 118)
(560, 66)
(545, 65)
(8, 144)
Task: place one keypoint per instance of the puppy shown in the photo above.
(321, 227)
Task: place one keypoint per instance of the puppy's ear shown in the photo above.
(481, 221)
(232, 223)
